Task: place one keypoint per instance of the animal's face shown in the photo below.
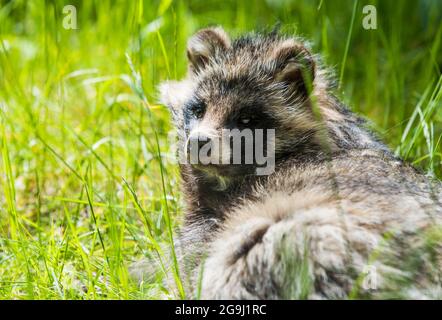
(254, 89)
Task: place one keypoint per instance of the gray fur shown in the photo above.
(337, 202)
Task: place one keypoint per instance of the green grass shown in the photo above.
(88, 182)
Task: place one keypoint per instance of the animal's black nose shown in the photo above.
(198, 141)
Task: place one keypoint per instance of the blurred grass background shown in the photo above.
(87, 181)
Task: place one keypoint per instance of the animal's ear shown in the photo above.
(295, 66)
(204, 44)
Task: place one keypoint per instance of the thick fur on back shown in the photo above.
(337, 203)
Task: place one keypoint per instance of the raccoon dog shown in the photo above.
(336, 216)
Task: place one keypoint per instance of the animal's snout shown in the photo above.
(199, 141)
(206, 146)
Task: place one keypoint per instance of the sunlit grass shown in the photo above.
(88, 184)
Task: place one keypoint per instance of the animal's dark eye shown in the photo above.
(246, 119)
(197, 108)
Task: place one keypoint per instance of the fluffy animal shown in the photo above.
(339, 216)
